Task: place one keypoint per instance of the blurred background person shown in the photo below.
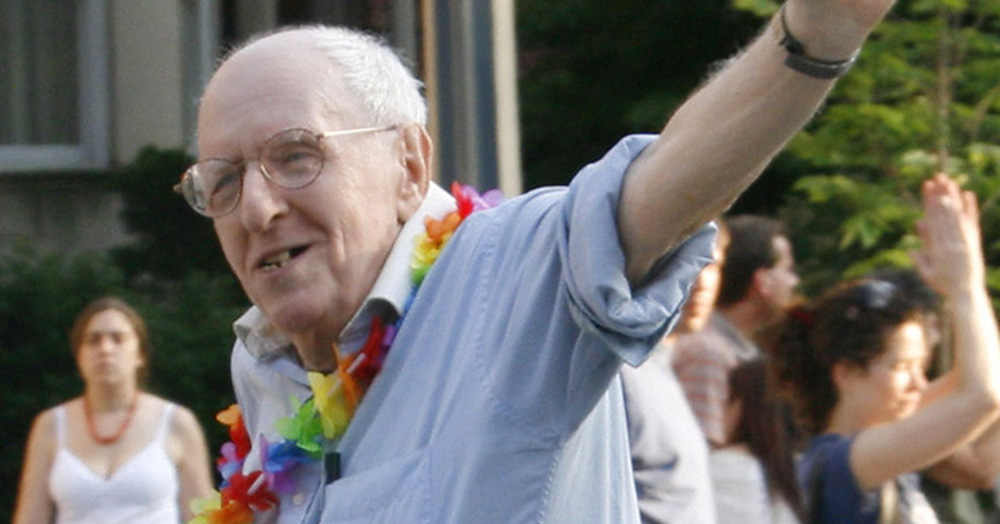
(854, 364)
(753, 474)
(955, 499)
(669, 451)
(959, 494)
(758, 284)
(116, 454)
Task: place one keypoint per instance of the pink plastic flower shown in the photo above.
(469, 200)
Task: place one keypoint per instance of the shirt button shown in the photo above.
(298, 498)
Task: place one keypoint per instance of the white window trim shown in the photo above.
(93, 150)
(202, 25)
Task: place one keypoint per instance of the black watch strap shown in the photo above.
(801, 62)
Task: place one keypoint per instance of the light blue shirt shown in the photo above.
(499, 401)
(670, 459)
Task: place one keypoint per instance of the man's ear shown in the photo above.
(415, 159)
(763, 281)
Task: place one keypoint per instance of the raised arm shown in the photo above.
(953, 261)
(718, 141)
(974, 466)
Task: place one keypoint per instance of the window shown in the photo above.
(54, 90)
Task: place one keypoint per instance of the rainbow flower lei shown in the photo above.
(327, 414)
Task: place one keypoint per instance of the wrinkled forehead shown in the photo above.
(279, 82)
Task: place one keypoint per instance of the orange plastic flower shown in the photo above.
(233, 417)
(211, 511)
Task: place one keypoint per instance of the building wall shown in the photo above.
(148, 105)
(160, 52)
(79, 210)
(59, 213)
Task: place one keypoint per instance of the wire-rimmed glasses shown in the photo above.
(292, 159)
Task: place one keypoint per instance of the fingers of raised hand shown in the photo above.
(950, 229)
(943, 203)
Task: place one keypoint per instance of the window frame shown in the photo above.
(93, 149)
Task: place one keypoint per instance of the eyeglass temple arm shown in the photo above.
(360, 130)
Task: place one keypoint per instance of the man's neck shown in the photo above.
(746, 317)
(315, 348)
(315, 357)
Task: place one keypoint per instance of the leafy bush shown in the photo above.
(170, 239)
(924, 97)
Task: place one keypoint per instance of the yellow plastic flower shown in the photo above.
(426, 251)
(204, 508)
(328, 394)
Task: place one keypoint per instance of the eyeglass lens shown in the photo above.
(291, 159)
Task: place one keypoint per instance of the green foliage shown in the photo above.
(591, 72)
(924, 97)
(762, 8)
(171, 240)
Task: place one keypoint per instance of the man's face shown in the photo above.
(306, 257)
(781, 278)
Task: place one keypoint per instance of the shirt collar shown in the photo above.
(389, 293)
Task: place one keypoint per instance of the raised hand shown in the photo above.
(951, 259)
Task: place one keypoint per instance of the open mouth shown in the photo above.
(278, 260)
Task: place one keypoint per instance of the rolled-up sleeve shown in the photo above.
(601, 299)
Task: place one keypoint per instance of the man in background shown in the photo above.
(758, 284)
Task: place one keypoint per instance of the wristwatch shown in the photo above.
(801, 62)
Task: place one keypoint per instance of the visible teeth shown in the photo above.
(276, 261)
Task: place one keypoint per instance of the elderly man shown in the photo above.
(496, 398)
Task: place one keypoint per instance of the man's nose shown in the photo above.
(261, 201)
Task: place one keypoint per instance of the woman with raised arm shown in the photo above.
(116, 454)
(854, 364)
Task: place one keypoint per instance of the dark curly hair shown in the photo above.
(849, 324)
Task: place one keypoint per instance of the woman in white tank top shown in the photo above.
(115, 454)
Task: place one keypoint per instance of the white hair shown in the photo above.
(372, 69)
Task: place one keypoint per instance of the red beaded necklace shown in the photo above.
(92, 428)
